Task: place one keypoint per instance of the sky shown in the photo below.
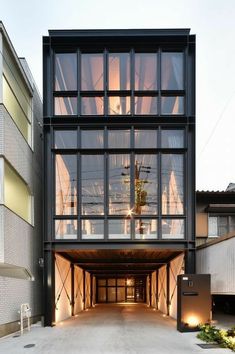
(213, 22)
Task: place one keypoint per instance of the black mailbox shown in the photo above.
(193, 301)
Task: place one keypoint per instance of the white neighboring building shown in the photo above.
(20, 188)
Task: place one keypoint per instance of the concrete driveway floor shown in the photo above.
(109, 329)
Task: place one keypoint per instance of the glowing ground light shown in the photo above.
(192, 321)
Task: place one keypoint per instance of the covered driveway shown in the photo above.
(108, 328)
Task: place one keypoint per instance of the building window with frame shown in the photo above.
(220, 225)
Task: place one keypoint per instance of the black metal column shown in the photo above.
(190, 261)
(49, 288)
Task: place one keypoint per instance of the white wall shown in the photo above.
(176, 268)
(62, 274)
(78, 290)
(219, 261)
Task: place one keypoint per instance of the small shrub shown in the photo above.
(211, 334)
(208, 333)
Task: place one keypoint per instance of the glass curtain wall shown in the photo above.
(116, 195)
(154, 94)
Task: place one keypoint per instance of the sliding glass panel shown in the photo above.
(172, 105)
(145, 139)
(172, 228)
(92, 139)
(111, 294)
(119, 105)
(66, 72)
(145, 71)
(119, 229)
(121, 295)
(65, 139)
(101, 294)
(92, 185)
(172, 139)
(146, 105)
(146, 184)
(92, 72)
(172, 184)
(92, 229)
(65, 106)
(119, 139)
(146, 229)
(66, 229)
(66, 184)
(172, 71)
(92, 106)
(111, 282)
(121, 282)
(119, 71)
(119, 184)
(101, 282)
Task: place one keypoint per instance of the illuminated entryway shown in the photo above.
(86, 278)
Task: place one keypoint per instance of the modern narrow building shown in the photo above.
(20, 189)
(119, 135)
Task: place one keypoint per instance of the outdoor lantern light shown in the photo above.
(192, 321)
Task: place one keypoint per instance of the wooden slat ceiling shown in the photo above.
(120, 261)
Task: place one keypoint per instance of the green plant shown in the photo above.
(211, 334)
(208, 333)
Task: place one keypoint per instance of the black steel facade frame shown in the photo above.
(97, 41)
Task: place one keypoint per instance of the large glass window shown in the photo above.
(14, 107)
(65, 139)
(65, 71)
(92, 72)
(146, 139)
(16, 194)
(92, 139)
(146, 229)
(172, 139)
(65, 106)
(172, 71)
(66, 184)
(119, 105)
(119, 229)
(147, 99)
(92, 106)
(145, 71)
(65, 229)
(119, 71)
(146, 105)
(173, 228)
(118, 139)
(146, 184)
(92, 184)
(119, 184)
(92, 229)
(172, 105)
(172, 184)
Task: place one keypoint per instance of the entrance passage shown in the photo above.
(128, 289)
(84, 278)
